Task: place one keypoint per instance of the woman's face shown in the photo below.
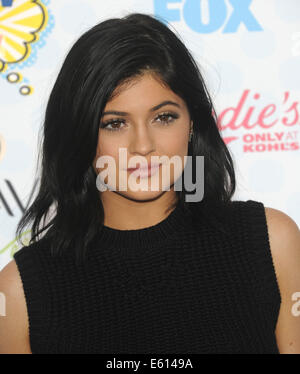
(142, 132)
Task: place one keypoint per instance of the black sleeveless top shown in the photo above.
(175, 287)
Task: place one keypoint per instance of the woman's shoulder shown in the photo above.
(278, 232)
(32, 248)
(14, 324)
(284, 239)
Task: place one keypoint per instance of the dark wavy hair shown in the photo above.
(107, 55)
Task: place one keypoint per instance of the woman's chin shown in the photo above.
(141, 195)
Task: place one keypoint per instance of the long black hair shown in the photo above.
(110, 53)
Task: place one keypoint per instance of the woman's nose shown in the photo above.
(142, 141)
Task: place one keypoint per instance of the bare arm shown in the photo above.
(284, 236)
(14, 327)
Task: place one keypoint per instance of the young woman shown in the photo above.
(153, 270)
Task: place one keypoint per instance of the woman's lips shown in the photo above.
(144, 167)
(145, 171)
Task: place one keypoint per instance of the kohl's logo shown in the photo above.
(208, 16)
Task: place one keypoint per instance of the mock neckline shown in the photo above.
(147, 236)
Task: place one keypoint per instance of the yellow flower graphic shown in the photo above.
(20, 24)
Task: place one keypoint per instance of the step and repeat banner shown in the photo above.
(247, 50)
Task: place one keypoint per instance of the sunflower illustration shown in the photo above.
(20, 25)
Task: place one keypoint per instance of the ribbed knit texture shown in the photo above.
(179, 286)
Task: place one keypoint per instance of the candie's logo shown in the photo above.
(268, 128)
(207, 16)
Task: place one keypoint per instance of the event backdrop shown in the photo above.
(248, 51)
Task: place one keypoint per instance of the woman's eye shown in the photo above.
(167, 117)
(114, 125)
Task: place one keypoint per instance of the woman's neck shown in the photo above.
(122, 213)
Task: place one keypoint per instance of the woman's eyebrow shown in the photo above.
(168, 102)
